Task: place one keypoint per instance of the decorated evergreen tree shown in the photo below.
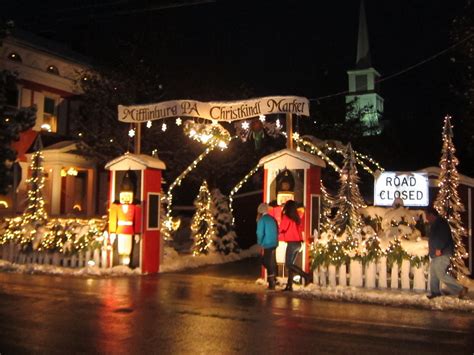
(203, 225)
(35, 213)
(225, 239)
(24, 229)
(448, 203)
(348, 200)
(327, 202)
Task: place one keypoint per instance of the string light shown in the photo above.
(164, 127)
(179, 121)
(148, 124)
(245, 125)
(237, 188)
(261, 118)
(131, 133)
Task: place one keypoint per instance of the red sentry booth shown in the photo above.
(305, 169)
(140, 218)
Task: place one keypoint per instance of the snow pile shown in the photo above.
(387, 297)
(7, 266)
(174, 262)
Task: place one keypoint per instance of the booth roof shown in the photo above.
(435, 171)
(304, 156)
(141, 159)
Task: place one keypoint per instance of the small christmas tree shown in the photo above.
(225, 239)
(35, 213)
(327, 202)
(448, 203)
(348, 200)
(203, 229)
(24, 229)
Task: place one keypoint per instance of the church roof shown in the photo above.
(363, 60)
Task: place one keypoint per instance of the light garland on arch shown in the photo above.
(315, 150)
(214, 136)
(237, 188)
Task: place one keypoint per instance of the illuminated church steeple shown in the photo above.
(363, 98)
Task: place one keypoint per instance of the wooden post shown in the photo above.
(289, 131)
(138, 138)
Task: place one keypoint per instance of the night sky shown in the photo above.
(221, 50)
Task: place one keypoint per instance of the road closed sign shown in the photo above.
(411, 188)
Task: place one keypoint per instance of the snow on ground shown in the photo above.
(385, 297)
(172, 262)
(7, 266)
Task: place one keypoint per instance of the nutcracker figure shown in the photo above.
(125, 219)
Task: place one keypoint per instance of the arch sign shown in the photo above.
(412, 188)
(220, 111)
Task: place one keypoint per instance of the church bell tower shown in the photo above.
(363, 98)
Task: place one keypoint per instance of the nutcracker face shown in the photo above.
(126, 197)
(282, 197)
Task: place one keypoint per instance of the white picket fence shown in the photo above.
(374, 275)
(11, 252)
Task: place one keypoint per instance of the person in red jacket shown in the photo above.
(291, 232)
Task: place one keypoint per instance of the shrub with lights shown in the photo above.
(225, 239)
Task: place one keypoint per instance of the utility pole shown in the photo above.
(289, 130)
(138, 138)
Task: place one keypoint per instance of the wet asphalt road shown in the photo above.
(213, 310)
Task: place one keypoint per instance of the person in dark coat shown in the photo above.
(267, 238)
(441, 249)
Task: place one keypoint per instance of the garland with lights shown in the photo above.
(395, 253)
(335, 252)
(448, 203)
(203, 225)
(67, 236)
(373, 252)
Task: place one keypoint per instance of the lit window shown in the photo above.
(15, 57)
(49, 115)
(52, 69)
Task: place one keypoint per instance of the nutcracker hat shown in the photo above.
(128, 182)
(285, 181)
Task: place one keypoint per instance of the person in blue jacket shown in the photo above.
(267, 238)
(441, 249)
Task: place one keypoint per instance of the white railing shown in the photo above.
(374, 275)
(11, 252)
